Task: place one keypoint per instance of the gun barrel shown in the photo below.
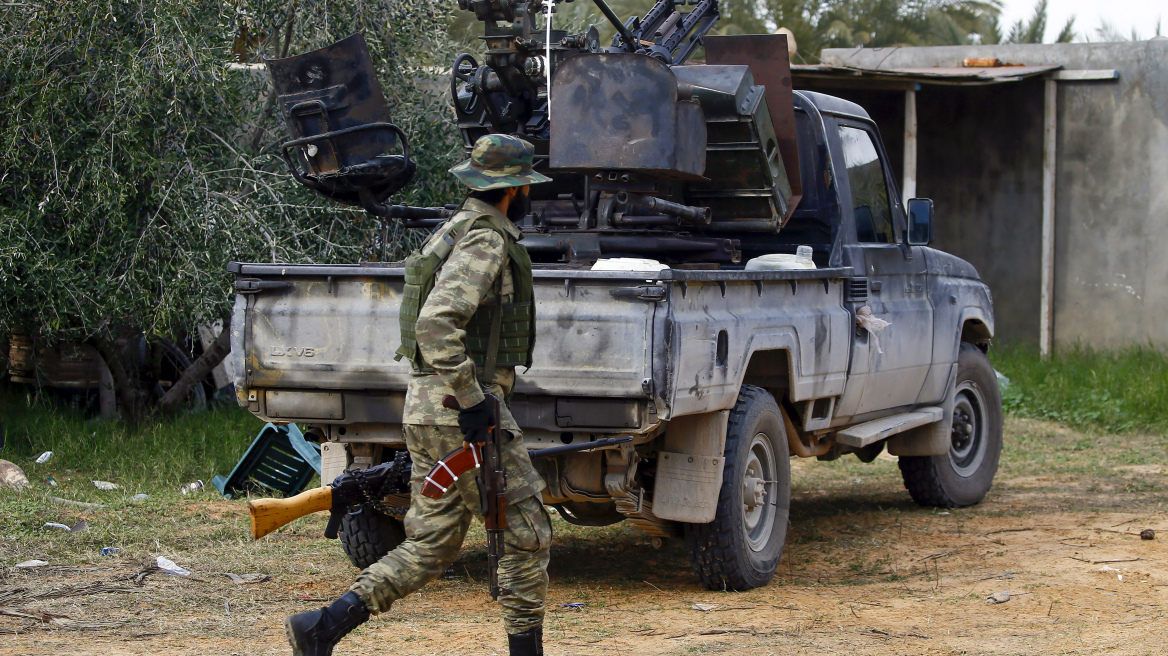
(624, 32)
(268, 515)
(691, 215)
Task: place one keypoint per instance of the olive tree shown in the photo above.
(139, 154)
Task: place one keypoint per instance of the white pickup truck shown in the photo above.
(720, 375)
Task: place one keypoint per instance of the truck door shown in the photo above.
(897, 358)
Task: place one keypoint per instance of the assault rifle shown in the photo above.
(352, 488)
(362, 487)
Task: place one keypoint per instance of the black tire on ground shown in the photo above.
(369, 535)
(963, 476)
(741, 548)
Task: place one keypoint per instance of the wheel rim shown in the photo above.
(967, 436)
(758, 492)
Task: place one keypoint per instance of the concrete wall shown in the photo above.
(981, 157)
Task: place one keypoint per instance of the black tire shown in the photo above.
(369, 535)
(963, 476)
(736, 552)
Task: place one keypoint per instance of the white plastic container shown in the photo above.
(628, 264)
(783, 261)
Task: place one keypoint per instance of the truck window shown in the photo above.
(870, 206)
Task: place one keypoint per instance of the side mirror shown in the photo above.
(920, 221)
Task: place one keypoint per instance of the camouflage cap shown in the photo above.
(498, 161)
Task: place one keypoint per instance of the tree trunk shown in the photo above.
(198, 370)
(128, 390)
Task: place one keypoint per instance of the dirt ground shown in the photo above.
(865, 571)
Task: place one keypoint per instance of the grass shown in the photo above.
(161, 454)
(1119, 391)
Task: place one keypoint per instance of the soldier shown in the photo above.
(468, 272)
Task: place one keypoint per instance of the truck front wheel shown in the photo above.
(740, 549)
(368, 535)
(963, 476)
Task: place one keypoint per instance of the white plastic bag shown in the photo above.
(167, 565)
(873, 324)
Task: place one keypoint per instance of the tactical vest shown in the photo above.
(515, 325)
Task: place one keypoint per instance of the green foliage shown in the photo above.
(1034, 30)
(815, 24)
(135, 163)
(1121, 391)
(157, 456)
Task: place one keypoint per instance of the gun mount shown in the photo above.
(649, 155)
(342, 137)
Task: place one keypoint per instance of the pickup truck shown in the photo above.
(720, 375)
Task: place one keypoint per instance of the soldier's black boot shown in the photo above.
(316, 632)
(528, 643)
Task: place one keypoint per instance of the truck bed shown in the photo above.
(675, 341)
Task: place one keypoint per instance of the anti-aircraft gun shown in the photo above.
(649, 155)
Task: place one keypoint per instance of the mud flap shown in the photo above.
(689, 469)
(932, 439)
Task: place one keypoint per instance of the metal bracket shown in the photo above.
(644, 292)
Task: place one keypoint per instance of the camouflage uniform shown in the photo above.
(435, 529)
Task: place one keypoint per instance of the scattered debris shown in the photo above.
(139, 497)
(32, 563)
(998, 598)
(192, 488)
(705, 608)
(169, 567)
(1109, 568)
(79, 504)
(243, 579)
(578, 604)
(1147, 534)
(44, 457)
(54, 621)
(110, 551)
(82, 590)
(51, 482)
(76, 528)
(12, 476)
(105, 485)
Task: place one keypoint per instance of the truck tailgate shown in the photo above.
(336, 327)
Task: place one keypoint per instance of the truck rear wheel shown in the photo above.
(963, 476)
(369, 535)
(741, 548)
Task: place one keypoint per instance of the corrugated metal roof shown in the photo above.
(930, 75)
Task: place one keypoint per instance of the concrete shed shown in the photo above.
(1048, 165)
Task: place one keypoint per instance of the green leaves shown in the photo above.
(128, 174)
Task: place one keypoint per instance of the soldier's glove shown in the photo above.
(476, 421)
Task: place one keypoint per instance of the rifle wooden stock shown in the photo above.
(268, 515)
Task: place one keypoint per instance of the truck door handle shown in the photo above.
(253, 286)
(643, 293)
